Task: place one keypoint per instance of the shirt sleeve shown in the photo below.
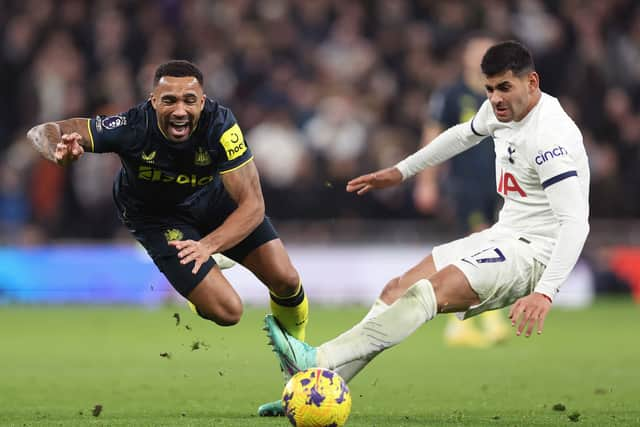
(570, 206)
(552, 159)
(479, 123)
(452, 141)
(109, 134)
(235, 152)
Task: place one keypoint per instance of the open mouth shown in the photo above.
(502, 111)
(179, 129)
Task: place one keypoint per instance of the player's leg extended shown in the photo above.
(393, 290)
(447, 291)
(271, 264)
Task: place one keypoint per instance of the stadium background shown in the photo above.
(324, 90)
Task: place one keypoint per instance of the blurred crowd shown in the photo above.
(323, 90)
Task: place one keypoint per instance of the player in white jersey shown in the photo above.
(543, 176)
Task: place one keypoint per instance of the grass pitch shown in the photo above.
(130, 366)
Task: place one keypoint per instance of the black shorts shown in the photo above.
(154, 233)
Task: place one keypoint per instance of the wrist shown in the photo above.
(209, 244)
(547, 297)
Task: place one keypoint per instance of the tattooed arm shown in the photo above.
(61, 142)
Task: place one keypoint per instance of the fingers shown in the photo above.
(188, 251)
(514, 313)
(196, 267)
(73, 140)
(362, 179)
(541, 323)
(359, 183)
(365, 189)
(527, 317)
(354, 187)
(533, 320)
(68, 148)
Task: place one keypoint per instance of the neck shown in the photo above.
(535, 98)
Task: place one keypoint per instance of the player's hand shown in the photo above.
(530, 310)
(381, 179)
(68, 149)
(190, 250)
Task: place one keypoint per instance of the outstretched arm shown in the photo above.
(243, 185)
(61, 142)
(381, 179)
(454, 140)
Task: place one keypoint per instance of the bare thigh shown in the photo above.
(399, 285)
(451, 286)
(216, 300)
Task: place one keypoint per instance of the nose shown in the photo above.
(179, 111)
(495, 98)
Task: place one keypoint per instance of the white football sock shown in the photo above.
(351, 369)
(367, 339)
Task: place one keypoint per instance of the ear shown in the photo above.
(533, 81)
(153, 99)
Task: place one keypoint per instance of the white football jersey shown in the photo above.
(540, 150)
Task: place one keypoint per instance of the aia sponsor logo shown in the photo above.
(543, 156)
(509, 183)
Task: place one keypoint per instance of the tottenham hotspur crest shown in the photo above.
(511, 151)
(202, 157)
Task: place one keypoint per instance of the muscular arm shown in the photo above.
(243, 185)
(46, 138)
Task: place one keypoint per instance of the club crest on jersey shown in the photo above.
(508, 183)
(173, 234)
(543, 156)
(511, 151)
(113, 122)
(233, 142)
(202, 157)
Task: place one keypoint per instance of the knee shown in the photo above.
(392, 291)
(285, 282)
(227, 314)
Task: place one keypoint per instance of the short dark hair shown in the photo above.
(177, 68)
(505, 56)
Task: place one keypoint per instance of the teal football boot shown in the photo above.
(294, 354)
(271, 409)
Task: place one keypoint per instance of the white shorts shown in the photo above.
(500, 269)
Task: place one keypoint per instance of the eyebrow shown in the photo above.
(186, 95)
(502, 85)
